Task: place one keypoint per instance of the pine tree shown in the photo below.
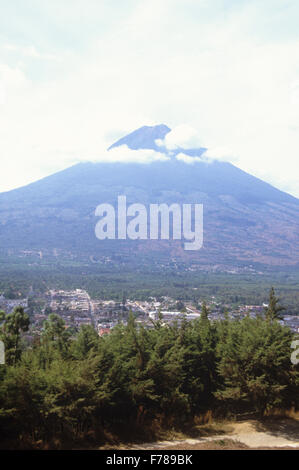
(55, 333)
(13, 324)
(204, 311)
(254, 365)
(273, 311)
(85, 341)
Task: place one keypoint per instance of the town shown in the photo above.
(77, 308)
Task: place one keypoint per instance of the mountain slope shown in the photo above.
(246, 220)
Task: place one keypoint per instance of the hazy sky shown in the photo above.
(75, 75)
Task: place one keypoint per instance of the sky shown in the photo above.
(76, 75)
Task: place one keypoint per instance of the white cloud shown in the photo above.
(221, 70)
(181, 136)
(182, 157)
(220, 153)
(126, 155)
(13, 83)
(30, 51)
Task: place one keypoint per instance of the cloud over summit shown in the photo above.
(124, 154)
(181, 136)
(70, 77)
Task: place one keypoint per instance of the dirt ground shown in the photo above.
(268, 433)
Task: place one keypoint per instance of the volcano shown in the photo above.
(246, 220)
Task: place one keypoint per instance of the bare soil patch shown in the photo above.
(267, 433)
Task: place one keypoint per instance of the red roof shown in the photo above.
(104, 331)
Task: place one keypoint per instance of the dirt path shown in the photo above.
(282, 433)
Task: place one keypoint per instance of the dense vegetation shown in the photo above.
(68, 388)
